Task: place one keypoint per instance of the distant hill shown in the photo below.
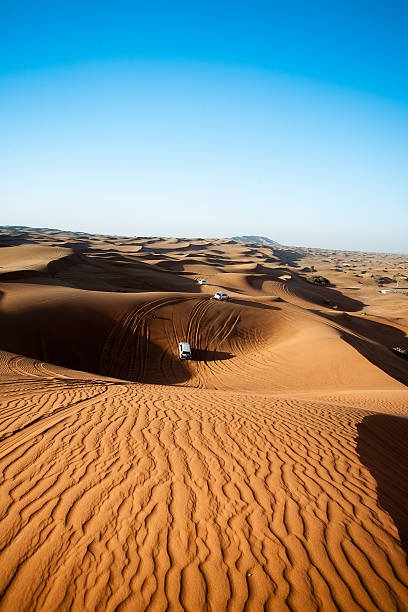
(256, 240)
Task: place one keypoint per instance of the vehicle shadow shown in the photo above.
(207, 355)
(382, 447)
(226, 288)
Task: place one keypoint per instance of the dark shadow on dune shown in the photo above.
(22, 275)
(219, 262)
(382, 445)
(374, 341)
(289, 256)
(95, 273)
(174, 265)
(207, 355)
(325, 296)
(64, 263)
(382, 333)
(80, 338)
(10, 240)
(157, 257)
(271, 273)
(79, 245)
(380, 356)
(141, 360)
(14, 236)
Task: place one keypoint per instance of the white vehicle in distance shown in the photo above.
(202, 281)
(184, 350)
(221, 295)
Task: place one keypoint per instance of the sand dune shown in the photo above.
(270, 472)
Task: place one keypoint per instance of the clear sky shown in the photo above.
(284, 118)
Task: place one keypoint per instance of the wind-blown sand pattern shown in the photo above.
(270, 472)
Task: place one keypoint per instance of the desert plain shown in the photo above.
(269, 472)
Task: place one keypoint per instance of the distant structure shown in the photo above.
(262, 240)
(403, 290)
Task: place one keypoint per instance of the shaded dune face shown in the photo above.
(267, 473)
(382, 445)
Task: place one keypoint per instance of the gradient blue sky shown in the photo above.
(288, 119)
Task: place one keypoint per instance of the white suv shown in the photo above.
(184, 350)
(221, 295)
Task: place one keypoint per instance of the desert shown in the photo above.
(267, 472)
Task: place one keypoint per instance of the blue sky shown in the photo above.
(288, 119)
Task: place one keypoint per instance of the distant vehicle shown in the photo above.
(202, 281)
(386, 291)
(221, 295)
(184, 350)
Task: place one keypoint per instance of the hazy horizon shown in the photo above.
(198, 237)
(212, 120)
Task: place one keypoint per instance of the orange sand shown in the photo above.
(270, 472)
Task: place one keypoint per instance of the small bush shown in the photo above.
(400, 351)
(381, 280)
(318, 280)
